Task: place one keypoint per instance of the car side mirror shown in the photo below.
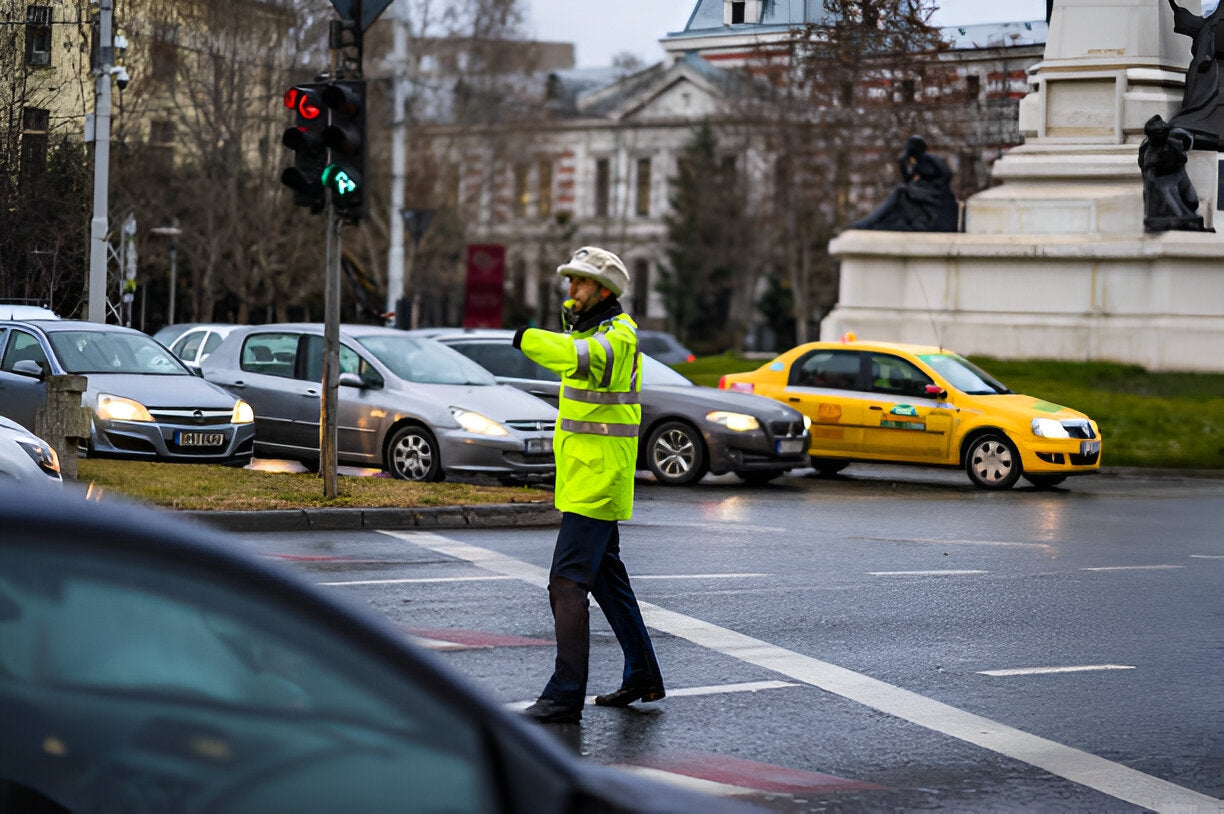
(936, 392)
(351, 380)
(28, 367)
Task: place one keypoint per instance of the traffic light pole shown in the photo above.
(99, 244)
(330, 401)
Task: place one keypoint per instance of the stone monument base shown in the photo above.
(1152, 300)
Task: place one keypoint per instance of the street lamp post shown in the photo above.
(172, 231)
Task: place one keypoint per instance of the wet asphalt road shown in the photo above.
(891, 640)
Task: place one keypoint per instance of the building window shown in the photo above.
(737, 11)
(38, 36)
(602, 186)
(909, 90)
(545, 183)
(521, 195)
(973, 87)
(163, 53)
(35, 122)
(642, 199)
(641, 288)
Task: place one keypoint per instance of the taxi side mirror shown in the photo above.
(936, 392)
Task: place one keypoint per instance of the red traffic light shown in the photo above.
(303, 102)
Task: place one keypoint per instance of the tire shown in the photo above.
(412, 454)
(992, 462)
(827, 467)
(760, 477)
(676, 454)
(1045, 481)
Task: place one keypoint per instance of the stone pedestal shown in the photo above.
(1054, 261)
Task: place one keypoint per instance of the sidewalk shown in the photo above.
(447, 517)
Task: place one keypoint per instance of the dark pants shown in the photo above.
(587, 558)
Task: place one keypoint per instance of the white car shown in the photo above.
(26, 458)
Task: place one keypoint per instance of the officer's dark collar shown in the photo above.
(603, 311)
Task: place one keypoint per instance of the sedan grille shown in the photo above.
(527, 425)
(782, 429)
(1078, 428)
(199, 418)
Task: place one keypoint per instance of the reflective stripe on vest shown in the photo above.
(600, 397)
(595, 428)
(584, 360)
(609, 359)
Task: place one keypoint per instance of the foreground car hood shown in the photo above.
(500, 402)
(173, 392)
(710, 398)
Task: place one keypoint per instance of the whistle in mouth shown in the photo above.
(569, 304)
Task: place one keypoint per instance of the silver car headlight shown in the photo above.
(42, 453)
(477, 423)
(1049, 428)
(242, 414)
(738, 422)
(117, 408)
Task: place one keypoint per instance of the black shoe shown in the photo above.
(627, 695)
(548, 711)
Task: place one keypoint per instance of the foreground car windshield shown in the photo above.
(656, 373)
(964, 375)
(100, 352)
(425, 361)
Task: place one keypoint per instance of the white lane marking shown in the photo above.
(687, 782)
(420, 580)
(1067, 762)
(637, 578)
(713, 689)
(1207, 556)
(1036, 671)
(940, 541)
(924, 573)
(1134, 568)
(721, 528)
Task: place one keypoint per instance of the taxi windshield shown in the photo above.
(964, 375)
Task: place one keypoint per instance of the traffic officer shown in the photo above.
(595, 446)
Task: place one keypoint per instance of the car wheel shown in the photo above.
(760, 478)
(992, 462)
(412, 454)
(676, 454)
(1045, 481)
(828, 466)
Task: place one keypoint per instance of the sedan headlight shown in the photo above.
(477, 423)
(243, 414)
(43, 455)
(117, 408)
(1049, 428)
(739, 422)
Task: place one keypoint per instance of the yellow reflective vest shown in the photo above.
(595, 443)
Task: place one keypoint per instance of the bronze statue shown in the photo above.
(1202, 110)
(1169, 199)
(923, 201)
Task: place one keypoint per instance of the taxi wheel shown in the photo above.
(992, 462)
(1045, 481)
(676, 454)
(412, 454)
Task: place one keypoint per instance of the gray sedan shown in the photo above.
(407, 404)
(687, 430)
(146, 404)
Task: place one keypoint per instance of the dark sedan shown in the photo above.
(687, 430)
(147, 664)
(146, 404)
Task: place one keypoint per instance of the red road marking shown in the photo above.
(749, 774)
(476, 638)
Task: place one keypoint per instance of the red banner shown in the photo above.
(486, 275)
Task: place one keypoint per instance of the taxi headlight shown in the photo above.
(739, 422)
(477, 423)
(807, 422)
(1049, 428)
(117, 408)
(242, 414)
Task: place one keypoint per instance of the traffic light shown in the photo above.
(307, 140)
(345, 136)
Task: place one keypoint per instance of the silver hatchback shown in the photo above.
(407, 404)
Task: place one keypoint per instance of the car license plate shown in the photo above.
(539, 446)
(790, 446)
(199, 439)
(1090, 447)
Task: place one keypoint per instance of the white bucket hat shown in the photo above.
(599, 265)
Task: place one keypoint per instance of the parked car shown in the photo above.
(148, 664)
(146, 404)
(686, 431)
(194, 344)
(664, 347)
(23, 311)
(25, 458)
(407, 404)
(885, 402)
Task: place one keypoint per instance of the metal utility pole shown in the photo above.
(98, 243)
(172, 231)
(331, 355)
(399, 129)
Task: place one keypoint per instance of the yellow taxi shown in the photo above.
(914, 404)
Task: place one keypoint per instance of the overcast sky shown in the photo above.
(600, 29)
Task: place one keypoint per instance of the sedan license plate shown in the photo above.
(1090, 447)
(790, 446)
(199, 439)
(539, 446)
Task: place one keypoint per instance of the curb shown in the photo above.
(449, 517)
